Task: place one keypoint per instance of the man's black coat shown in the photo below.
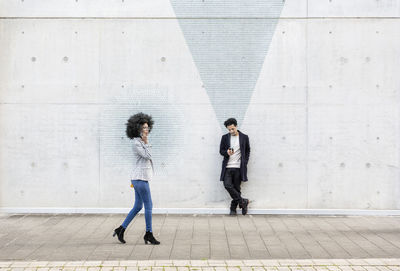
(245, 154)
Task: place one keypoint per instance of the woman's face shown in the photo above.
(145, 129)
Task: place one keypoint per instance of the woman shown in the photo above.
(138, 129)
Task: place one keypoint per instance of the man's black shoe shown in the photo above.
(233, 212)
(245, 203)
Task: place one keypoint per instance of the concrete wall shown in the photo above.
(315, 84)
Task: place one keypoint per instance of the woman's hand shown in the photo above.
(145, 138)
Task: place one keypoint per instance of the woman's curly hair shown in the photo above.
(135, 124)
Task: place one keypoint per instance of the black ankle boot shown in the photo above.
(120, 233)
(148, 237)
(245, 205)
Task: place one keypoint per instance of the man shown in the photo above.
(235, 148)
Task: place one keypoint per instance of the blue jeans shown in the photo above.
(142, 195)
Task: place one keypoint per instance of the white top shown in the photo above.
(143, 168)
(235, 158)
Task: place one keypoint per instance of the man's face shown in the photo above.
(232, 129)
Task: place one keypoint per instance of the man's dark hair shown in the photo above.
(230, 121)
(135, 124)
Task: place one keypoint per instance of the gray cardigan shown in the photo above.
(144, 165)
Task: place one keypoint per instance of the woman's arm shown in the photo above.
(142, 150)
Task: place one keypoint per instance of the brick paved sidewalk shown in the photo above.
(190, 237)
(210, 265)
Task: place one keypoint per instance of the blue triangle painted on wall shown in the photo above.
(228, 41)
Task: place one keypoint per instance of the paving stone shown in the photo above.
(252, 263)
(146, 263)
(374, 261)
(180, 263)
(93, 263)
(74, 264)
(21, 264)
(198, 263)
(56, 264)
(304, 262)
(234, 263)
(357, 262)
(80, 239)
(287, 262)
(110, 263)
(216, 263)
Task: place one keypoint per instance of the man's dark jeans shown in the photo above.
(232, 183)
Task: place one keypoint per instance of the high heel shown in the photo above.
(120, 233)
(148, 237)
